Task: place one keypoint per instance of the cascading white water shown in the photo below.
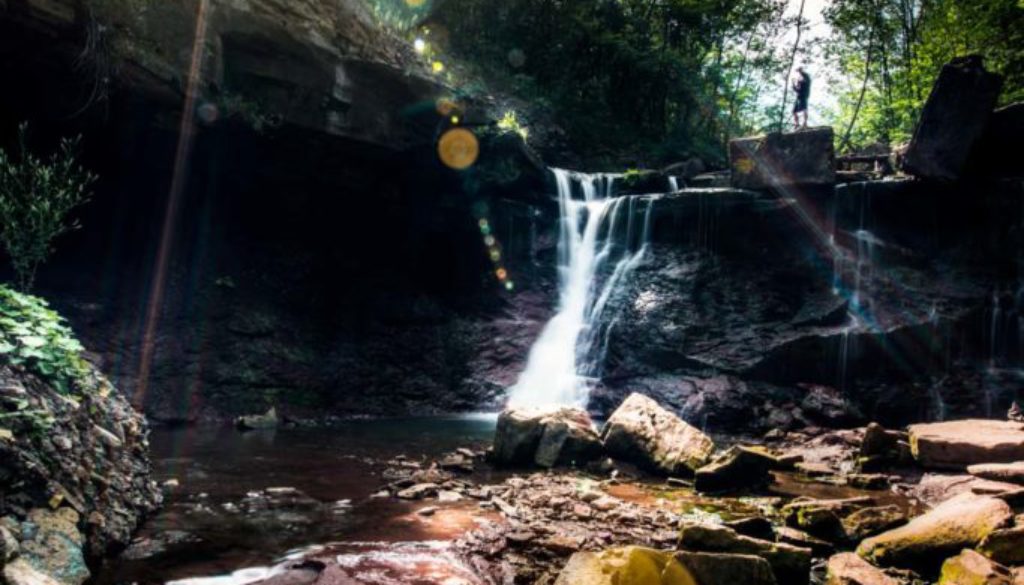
(593, 238)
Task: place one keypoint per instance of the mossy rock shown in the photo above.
(631, 564)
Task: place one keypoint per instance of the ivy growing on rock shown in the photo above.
(35, 337)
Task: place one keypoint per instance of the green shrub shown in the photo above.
(36, 196)
(34, 336)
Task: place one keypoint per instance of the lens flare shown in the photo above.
(419, 45)
(437, 67)
(501, 273)
(415, 3)
(458, 149)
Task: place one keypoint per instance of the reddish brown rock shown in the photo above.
(971, 568)
(778, 159)
(961, 522)
(641, 431)
(961, 443)
(1008, 472)
(849, 569)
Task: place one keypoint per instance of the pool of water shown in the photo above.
(229, 512)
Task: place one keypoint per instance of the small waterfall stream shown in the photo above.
(599, 245)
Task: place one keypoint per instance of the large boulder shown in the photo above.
(790, 564)
(953, 119)
(727, 569)
(547, 437)
(618, 566)
(971, 568)
(803, 158)
(849, 569)
(74, 455)
(641, 431)
(958, 523)
(740, 467)
(961, 443)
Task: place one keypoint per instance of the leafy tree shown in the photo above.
(886, 55)
(631, 81)
(36, 196)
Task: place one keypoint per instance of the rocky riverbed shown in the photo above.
(864, 505)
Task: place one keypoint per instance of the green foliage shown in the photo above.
(510, 123)
(625, 78)
(34, 336)
(891, 51)
(36, 196)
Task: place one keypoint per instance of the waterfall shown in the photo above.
(598, 247)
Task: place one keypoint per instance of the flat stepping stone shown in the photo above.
(1008, 472)
(961, 443)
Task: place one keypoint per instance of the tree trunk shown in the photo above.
(792, 60)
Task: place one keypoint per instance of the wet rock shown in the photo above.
(8, 545)
(254, 422)
(754, 527)
(636, 565)
(54, 545)
(457, 462)
(568, 441)
(1016, 413)
(296, 573)
(878, 441)
(740, 467)
(448, 496)
(819, 547)
(971, 568)
(163, 541)
(821, 518)
(953, 119)
(1005, 546)
(1006, 472)
(958, 444)
(960, 522)
(687, 169)
(790, 564)
(867, 481)
(643, 432)
(70, 493)
(850, 569)
(727, 569)
(546, 437)
(871, 521)
(783, 159)
(20, 572)
(418, 491)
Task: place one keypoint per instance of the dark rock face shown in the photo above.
(995, 153)
(74, 472)
(820, 309)
(322, 259)
(780, 159)
(953, 119)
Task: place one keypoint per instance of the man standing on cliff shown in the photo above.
(802, 89)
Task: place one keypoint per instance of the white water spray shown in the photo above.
(598, 247)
